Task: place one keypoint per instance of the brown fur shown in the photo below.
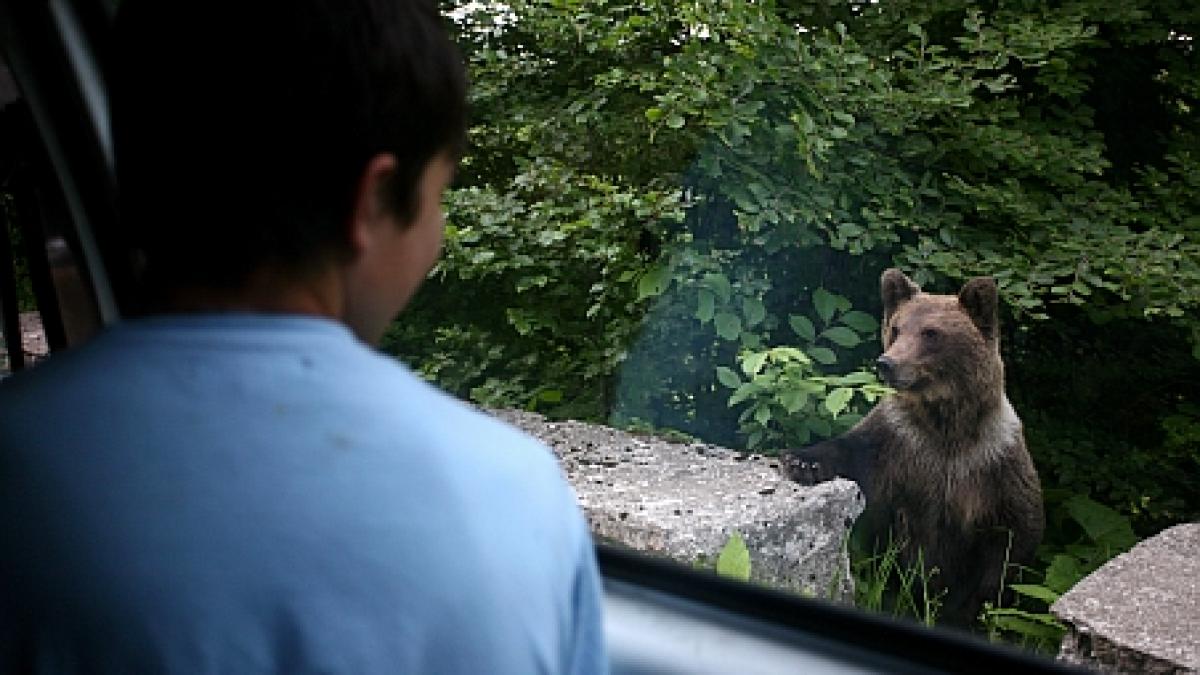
(942, 462)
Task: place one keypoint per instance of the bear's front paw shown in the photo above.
(803, 470)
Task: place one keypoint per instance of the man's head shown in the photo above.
(249, 134)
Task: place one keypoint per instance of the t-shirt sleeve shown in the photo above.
(587, 654)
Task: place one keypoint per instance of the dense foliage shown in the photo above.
(675, 214)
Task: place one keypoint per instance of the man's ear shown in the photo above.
(895, 289)
(369, 204)
(981, 301)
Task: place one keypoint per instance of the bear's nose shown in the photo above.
(886, 368)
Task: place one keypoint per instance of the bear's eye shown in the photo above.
(930, 333)
(895, 333)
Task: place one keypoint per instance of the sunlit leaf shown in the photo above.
(838, 399)
(743, 392)
(793, 400)
(859, 377)
(734, 560)
(727, 377)
(753, 363)
(762, 414)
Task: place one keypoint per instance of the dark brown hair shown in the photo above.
(242, 128)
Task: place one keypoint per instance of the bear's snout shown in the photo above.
(886, 368)
(900, 374)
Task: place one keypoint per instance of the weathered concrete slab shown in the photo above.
(1139, 613)
(685, 500)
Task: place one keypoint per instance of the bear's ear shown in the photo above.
(896, 289)
(980, 300)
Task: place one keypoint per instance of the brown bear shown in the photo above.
(942, 461)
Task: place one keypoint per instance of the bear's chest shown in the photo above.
(938, 495)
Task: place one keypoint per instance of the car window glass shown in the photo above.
(674, 220)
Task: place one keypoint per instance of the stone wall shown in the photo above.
(1140, 612)
(684, 500)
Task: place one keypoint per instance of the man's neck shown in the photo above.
(266, 291)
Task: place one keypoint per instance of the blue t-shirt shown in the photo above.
(254, 493)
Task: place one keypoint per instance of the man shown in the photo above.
(237, 482)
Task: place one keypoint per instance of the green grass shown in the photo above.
(882, 583)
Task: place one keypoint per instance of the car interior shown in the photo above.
(59, 250)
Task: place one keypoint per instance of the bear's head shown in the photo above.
(940, 346)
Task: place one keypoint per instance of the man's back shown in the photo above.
(245, 493)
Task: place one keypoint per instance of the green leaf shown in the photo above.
(858, 377)
(762, 414)
(793, 400)
(727, 377)
(840, 303)
(753, 363)
(1064, 572)
(706, 306)
(734, 559)
(819, 427)
(719, 283)
(743, 392)
(654, 282)
(804, 121)
(804, 328)
(860, 321)
(754, 311)
(653, 114)
(842, 336)
(1102, 524)
(825, 304)
(803, 435)
(838, 399)
(1040, 626)
(848, 420)
(1036, 592)
(675, 121)
(519, 321)
(823, 356)
(729, 326)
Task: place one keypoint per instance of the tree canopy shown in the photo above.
(675, 213)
